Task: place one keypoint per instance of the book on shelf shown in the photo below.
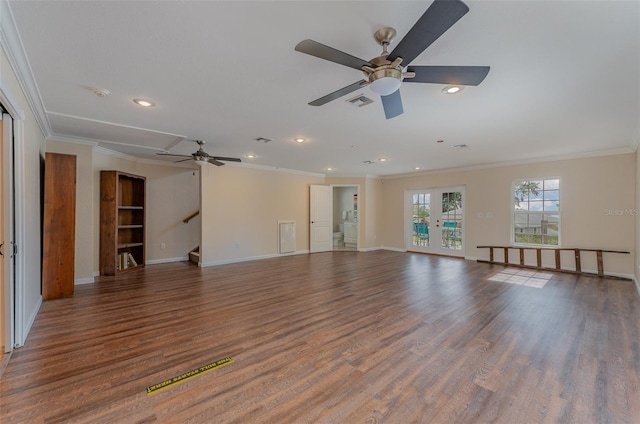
(132, 261)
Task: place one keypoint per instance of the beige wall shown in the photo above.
(592, 191)
(171, 195)
(636, 267)
(241, 207)
(33, 153)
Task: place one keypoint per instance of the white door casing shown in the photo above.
(6, 236)
(434, 220)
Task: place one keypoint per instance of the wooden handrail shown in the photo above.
(190, 217)
(557, 250)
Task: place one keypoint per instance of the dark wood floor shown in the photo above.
(339, 337)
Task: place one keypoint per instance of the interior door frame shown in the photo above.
(360, 208)
(15, 314)
(436, 192)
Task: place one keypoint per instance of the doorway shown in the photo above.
(334, 218)
(434, 220)
(345, 218)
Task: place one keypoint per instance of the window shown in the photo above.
(536, 212)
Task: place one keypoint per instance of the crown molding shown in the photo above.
(14, 49)
(113, 153)
(556, 158)
(635, 142)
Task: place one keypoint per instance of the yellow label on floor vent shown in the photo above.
(187, 375)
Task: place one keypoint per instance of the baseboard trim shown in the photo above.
(166, 260)
(80, 281)
(30, 322)
(370, 249)
(635, 280)
(394, 249)
(250, 258)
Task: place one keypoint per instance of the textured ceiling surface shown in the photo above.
(564, 81)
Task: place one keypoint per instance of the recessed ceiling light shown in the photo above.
(417, 168)
(452, 89)
(382, 159)
(299, 140)
(144, 102)
(329, 169)
(250, 156)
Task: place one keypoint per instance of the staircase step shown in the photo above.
(194, 257)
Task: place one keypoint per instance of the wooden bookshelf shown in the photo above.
(122, 222)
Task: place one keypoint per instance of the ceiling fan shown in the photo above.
(385, 73)
(200, 156)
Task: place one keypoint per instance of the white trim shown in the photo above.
(81, 281)
(6, 98)
(251, 258)
(394, 249)
(583, 155)
(360, 208)
(528, 212)
(436, 199)
(109, 152)
(166, 260)
(131, 127)
(71, 139)
(637, 283)
(277, 169)
(635, 142)
(371, 249)
(32, 319)
(473, 258)
(14, 49)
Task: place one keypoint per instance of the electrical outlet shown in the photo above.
(162, 245)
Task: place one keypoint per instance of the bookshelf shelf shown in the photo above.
(122, 222)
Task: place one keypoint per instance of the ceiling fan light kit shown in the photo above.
(385, 74)
(200, 157)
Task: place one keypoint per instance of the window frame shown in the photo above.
(514, 212)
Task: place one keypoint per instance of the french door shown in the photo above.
(434, 220)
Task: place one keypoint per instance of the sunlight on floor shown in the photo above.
(522, 278)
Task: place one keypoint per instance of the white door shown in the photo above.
(320, 218)
(435, 221)
(7, 260)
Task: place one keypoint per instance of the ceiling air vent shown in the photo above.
(368, 162)
(264, 140)
(360, 100)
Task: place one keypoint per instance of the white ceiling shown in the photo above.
(564, 80)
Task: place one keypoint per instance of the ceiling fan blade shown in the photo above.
(437, 19)
(339, 93)
(459, 75)
(392, 104)
(225, 159)
(316, 49)
(183, 160)
(171, 154)
(215, 162)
